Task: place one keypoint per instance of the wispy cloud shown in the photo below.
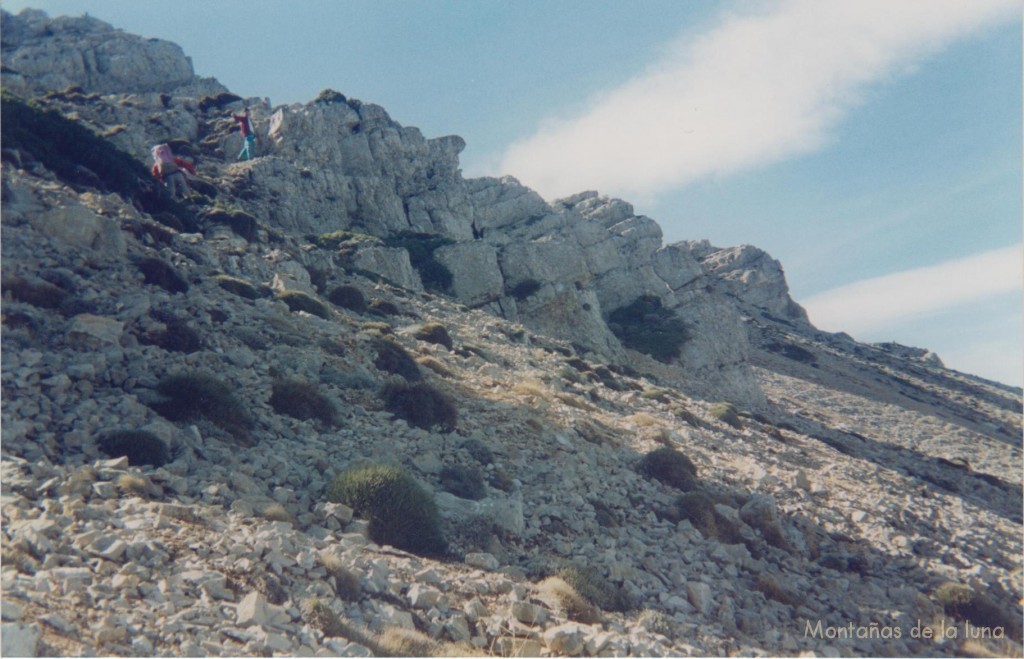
(873, 304)
(760, 87)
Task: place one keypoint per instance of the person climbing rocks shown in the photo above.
(167, 169)
(248, 137)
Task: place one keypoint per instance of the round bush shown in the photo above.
(400, 512)
(421, 405)
(237, 286)
(392, 358)
(434, 333)
(727, 413)
(384, 308)
(190, 396)
(348, 297)
(141, 447)
(301, 400)
(670, 467)
(299, 301)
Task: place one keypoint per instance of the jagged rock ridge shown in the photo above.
(857, 479)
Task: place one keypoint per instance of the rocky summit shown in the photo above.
(342, 401)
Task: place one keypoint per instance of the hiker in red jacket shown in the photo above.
(167, 169)
(249, 139)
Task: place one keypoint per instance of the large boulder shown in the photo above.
(42, 54)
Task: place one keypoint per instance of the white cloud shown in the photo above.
(759, 88)
(873, 304)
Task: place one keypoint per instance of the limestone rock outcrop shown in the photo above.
(43, 54)
(338, 164)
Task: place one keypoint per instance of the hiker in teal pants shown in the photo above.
(249, 139)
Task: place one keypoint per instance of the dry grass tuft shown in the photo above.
(531, 387)
(402, 642)
(132, 484)
(558, 594)
(643, 420)
(772, 589)
(346, 582)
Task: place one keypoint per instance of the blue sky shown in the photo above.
(873, 147)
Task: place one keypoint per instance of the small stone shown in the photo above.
(17, 640)
(105, 490)
(564, 639)
(11, 610)
(424, 597)
(252, 610)
(529, 613)
(475, 609)
(699, 595)
(483, 561)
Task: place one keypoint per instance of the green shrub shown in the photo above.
(699, 509)
(160, 273)
(176, 336)
(36, 292)
(670, 467)
(727, 413)
(464, 482)
(646, 326)
(192, 396)
(595, 588)
(434, 333)
(301, 400)
(400, 512)
(139, 446)
(299, 301)
(392, 358)
(238, 286)
(348, 297)
(964, 603)
(329, 96)
(421, 405)
(524, 289)
(421, 247)
(207, 103)
(383, 308)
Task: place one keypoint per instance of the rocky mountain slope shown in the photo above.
(633, 448)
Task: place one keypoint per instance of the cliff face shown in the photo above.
(846, 484)
(337, 164)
